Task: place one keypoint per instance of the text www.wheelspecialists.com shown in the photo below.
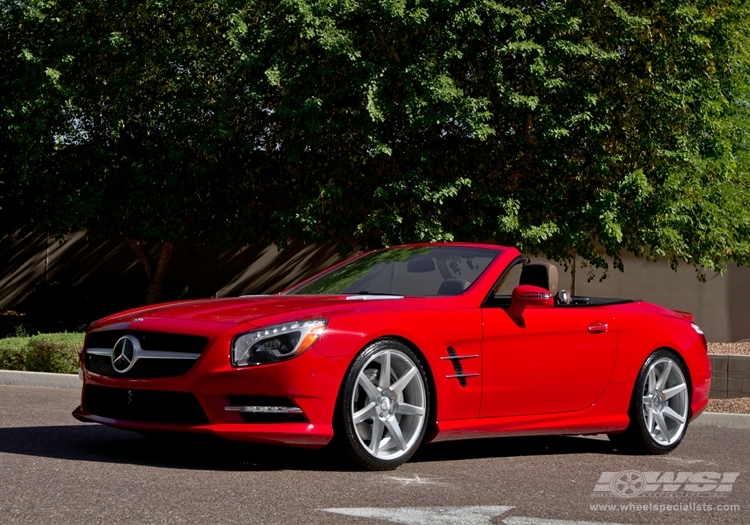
(665, 507)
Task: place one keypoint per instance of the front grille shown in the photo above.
(143, 368)
(149, 406)
(150, 341)
(192, 344)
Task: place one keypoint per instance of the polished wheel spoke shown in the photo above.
(404, 380)
(377, 433)
(664, 376)
(366, 413)
(671, 392)
(650, 421)
(385, 371)
(371, 390)
(652, 380)
(406, 409)
(395, 431)
(672, 414)
(661, 424)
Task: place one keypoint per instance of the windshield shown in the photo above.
(422, 271)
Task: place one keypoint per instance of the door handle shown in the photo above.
(598, 328)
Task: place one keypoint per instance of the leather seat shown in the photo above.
(543, 275)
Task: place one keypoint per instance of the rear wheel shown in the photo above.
(660, 407)
(384, 406)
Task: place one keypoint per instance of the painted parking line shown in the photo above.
(427, 515)
(475, 515)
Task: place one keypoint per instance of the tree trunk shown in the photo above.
(573, 277)
(154, 272)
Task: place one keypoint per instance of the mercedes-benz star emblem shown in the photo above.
(125, 353)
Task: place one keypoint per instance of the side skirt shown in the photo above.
(609, 414)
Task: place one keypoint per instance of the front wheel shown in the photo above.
(660, 407)
(384, 406)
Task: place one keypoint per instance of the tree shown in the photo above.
(125, 121)
(565, 128)
(569, 129)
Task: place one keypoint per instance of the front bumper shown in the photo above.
(310, 382)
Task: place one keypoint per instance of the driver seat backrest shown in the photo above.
(543, 275)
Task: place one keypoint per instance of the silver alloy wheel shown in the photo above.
(665, 401)
(389, 404)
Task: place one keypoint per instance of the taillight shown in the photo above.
(700, 333)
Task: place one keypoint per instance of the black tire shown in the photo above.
(387, 451)
(644, 434)
(156, 435)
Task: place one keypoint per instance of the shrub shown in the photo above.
(13, 353)
(54, 353)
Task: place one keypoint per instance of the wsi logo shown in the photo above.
(631, 483)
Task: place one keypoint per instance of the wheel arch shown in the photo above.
(681, 358)
(432, 416)
(688, 373)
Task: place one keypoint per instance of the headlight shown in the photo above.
(276, 343)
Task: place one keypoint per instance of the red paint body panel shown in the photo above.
(548, 363)
(644, 327)
(552, 370)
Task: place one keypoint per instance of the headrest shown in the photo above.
(543, 275)
(453, 287)
(420, 265)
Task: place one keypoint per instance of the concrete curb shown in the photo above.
(716, 419)
(40, 379)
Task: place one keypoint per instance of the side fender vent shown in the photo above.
(455, 360)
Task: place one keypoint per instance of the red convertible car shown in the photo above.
(396, 347)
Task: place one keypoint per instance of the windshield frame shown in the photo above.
(493, 251)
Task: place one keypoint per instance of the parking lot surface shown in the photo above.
(54, 469)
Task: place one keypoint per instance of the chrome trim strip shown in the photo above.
(459, 357)
(100, 351)
(264, 410)
(462, 375)
(372, 297)
(146, 354)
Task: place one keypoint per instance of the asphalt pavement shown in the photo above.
(54, 469)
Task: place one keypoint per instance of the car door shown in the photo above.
(556, 359)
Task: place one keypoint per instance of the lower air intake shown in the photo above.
(148, 406)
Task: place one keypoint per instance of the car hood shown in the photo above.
(243, 310)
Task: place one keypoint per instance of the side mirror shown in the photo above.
(529, 296)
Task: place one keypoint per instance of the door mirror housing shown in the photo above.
(529, 296)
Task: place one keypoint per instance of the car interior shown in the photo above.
(543, 275)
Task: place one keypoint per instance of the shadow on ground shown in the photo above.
(103, 444)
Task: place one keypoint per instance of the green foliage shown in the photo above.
(13, 353)
(57, 353)
(54, 353)
(121, 116)
(564, 128)
(21, 331)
